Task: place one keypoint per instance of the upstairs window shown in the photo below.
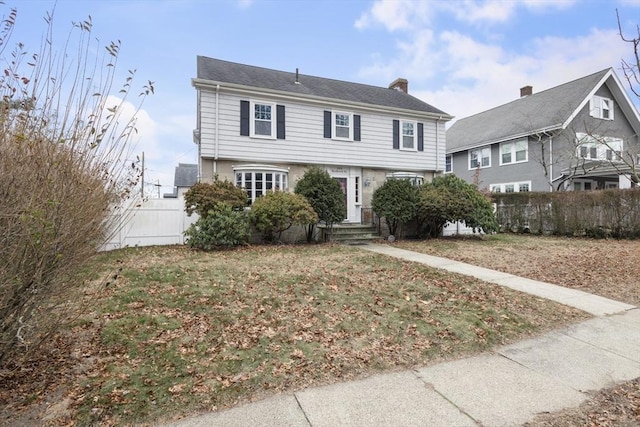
(408, 136)
(514, 152)
(480, 158)
(601, 108)
(262, 120)
(342, 126)
(262, 123)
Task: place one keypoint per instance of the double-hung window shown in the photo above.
(514, 152)
(263, 120)
(408, 136)
(448, 163)
(343, 126)
(480, 158)
(601, 108)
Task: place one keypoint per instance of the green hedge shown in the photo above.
(602, 213)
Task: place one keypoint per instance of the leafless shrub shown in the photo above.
(64, 146)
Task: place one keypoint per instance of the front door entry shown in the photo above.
(349, 179)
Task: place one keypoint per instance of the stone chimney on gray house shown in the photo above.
(526, 91)
(400, 84)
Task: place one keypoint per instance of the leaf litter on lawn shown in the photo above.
(183, 331)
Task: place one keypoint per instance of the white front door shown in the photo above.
(350, 180)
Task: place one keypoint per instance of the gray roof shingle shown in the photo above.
(217, 70)
(543, 110)
(186, 175)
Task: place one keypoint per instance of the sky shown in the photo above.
(461, 56)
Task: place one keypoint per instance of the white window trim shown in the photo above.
(602, 144)
(480, 149)
(450, 156)
(334, 132)
(502, 186)
(513, 152)
(264, 169)
(415, 136)
(252, 119)
(415, 178)
(596, 107)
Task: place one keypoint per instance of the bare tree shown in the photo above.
(631, 68)
(65, 162)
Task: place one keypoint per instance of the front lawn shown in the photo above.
(180, 331)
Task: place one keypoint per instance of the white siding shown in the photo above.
(305, 143)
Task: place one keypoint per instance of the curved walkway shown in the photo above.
(504, 388)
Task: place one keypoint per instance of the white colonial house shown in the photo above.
(261, 128)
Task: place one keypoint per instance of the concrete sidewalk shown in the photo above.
(504, 388)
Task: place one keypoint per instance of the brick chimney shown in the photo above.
(400, 84)
(526, 91)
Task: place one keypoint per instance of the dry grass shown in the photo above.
(182, 331)
(608, 268)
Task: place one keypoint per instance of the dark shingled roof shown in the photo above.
(543, 110)
(186, 175)
(220, 71)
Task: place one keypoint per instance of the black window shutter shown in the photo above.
(396, 134)
(280, 121)
(327, 124)
(356, 127)
(420, 137)
(244, 118)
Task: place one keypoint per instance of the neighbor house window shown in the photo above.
(511, 187)
(257, 180)
(408, 136)
(601, 108)
(448, 163)
(593, 147)
(514, 152)
(480, 158)
(263, 122)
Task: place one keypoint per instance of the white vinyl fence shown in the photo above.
(150, 222)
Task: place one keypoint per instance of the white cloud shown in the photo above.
(483, 76)
(396, 15)
(245, 4)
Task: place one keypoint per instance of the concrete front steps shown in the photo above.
(350, 234)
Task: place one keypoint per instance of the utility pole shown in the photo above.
(158, 185)
(142, 179)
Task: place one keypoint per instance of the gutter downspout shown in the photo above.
(216, 136)
(437, 143)
(551, 161)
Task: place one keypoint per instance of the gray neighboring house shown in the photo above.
(262, 128)
(581, 135)
(186, 175)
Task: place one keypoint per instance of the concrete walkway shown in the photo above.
(504, 388)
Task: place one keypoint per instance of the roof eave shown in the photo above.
(546, 129)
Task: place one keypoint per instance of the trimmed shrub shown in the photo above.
(325, 196)
(449, 199)
(203, 198)
(278, 211)
(221, 227)
(396, 201)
